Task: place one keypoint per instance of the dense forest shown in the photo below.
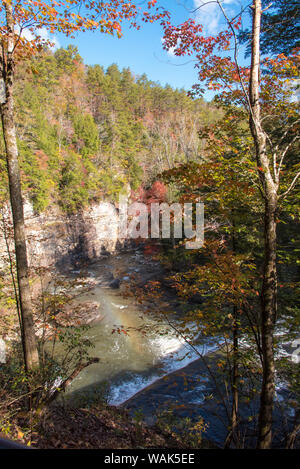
(85, 133)
(194, 348)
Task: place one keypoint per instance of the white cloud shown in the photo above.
(44, 34)
(210, 15)
(171, 51)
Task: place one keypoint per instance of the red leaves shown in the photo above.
(185, 38)
(215, 70)
(120, 330)
(156, 193)
(151, 249)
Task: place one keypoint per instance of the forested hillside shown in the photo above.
(86, 133)
(188, 322)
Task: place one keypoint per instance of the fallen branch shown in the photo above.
(72, 376)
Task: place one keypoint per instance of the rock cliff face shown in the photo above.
(61, 241)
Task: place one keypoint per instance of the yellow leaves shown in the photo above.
(20, 436)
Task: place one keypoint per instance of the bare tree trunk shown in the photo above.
(9, 133)
(232, 435)
(268, 300)
(269, 287)
(235, 376)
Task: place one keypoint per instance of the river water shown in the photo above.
(131, 365)
(128, 362)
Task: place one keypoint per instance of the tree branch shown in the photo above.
(282, 196)
(72, 376)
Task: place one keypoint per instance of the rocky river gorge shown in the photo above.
(147, 367)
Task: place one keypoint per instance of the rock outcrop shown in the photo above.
(62, 241)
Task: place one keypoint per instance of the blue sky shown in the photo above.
(142, 50)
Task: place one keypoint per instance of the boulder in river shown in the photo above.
(115, 283)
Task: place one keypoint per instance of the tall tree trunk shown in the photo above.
(269, 306)
(232, 435)
(269, 287)
(9, 133)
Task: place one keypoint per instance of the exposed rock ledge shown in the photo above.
(57, 240)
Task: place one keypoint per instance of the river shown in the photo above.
(148, 368)
(147, 351)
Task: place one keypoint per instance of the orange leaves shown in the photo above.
(20, 435)
(223, 282)
(226, 74)
(68, 17)
(117, 27)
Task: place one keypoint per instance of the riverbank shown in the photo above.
(144, 370)
(198, 392)
(97, 427)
